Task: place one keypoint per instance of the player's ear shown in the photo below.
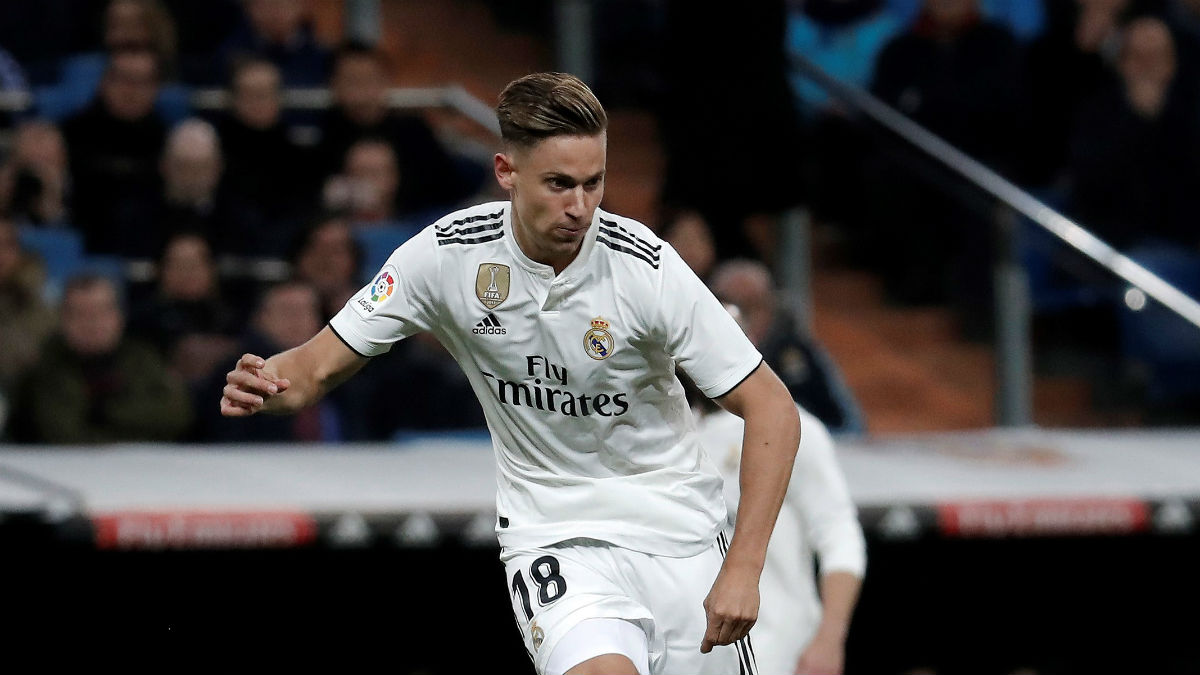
(505, 168)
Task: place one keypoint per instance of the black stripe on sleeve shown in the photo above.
(755, 370)
(629, 240)
(478, 240)
(629, 251)
(484, 227)
(463, 221)
(348, 345)
(645, 244)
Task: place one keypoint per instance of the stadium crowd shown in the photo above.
(1091, 104)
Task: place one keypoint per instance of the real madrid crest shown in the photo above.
(491, 284)
(538, 635)
(599, 343)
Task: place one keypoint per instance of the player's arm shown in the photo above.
(769, 444)
(820, 492)
(826, 652)
(290, 380)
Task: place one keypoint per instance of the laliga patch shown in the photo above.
(380, 290)
(598, 342)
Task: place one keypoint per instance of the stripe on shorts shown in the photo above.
(747, 665)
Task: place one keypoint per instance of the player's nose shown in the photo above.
(576, 203)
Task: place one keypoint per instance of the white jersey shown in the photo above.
(817, 518)
(575, 373)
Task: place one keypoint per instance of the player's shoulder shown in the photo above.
(470, 226)
(629, 241)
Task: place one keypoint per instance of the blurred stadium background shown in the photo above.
(978, 218)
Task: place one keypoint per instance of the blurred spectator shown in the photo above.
(390, 406)
(263, 168)
(328, 257)
(95, 385)
(689, 235)
(368, 187)
(761, 139)
(114, 147)
(1136, 151)
(195, 198)
(1026, 19)
(25, 320)
(809, 374)
(286, 316)
(203, 27)
(12, 81)
(38, 34)
(140, 25)
(186, 318)
(843, 37)
(35, 181)
(429, 178)
(1183, 16)
(958, 76)
(278, 31)
(1070, 64)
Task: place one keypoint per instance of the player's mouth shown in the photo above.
(570, 231)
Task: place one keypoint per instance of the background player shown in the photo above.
(610, 514)
(799, 631)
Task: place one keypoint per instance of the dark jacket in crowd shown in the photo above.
(965, 89)
(429, 177)
(264, 173)
(114, 166)
(125, 396)
(1134, 179)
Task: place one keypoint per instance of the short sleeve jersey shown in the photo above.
(575, 373)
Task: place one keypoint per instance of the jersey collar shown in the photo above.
(572, 270)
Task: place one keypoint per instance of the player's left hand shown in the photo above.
(823, 656)
(731, 607)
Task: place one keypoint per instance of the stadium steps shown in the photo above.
(910, 369)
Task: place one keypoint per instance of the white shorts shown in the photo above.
(555, 588)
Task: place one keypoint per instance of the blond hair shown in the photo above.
(542, 105)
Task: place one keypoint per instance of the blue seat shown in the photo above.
(378, 242)
(79, 79)
(1160, 343)
(61, 251)
(1051, 288)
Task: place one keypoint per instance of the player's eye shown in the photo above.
(558, 183)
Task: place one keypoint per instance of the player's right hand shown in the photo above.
(248, 387)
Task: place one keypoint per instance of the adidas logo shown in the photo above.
(489, 326)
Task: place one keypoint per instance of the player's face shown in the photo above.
(555, 188)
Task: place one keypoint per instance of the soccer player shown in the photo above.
(799, 631)
(569, 321)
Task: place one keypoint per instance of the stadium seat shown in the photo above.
(80, 78)
(1163, 346)
(61, 251)
(378, 242)
(1051, 287)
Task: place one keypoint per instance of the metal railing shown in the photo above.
(453, 97)
(1013, 344)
